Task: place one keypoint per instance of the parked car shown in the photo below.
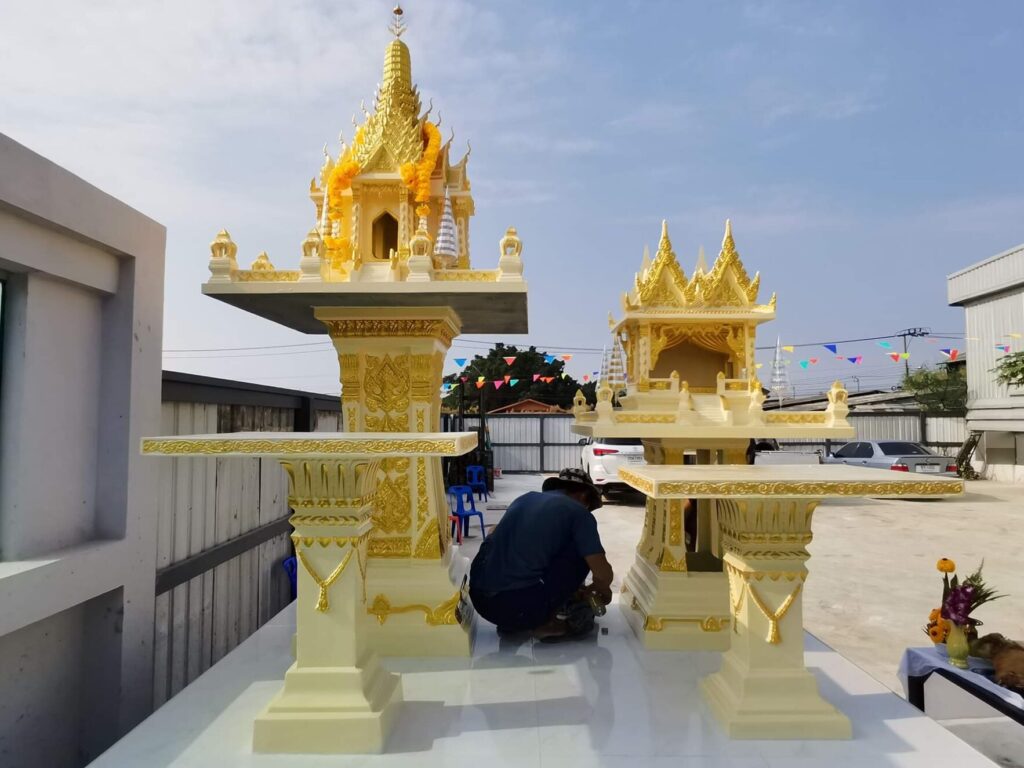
(787, 457)
(897, 455)
(602, 457)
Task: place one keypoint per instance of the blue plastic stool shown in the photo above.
(291, 567)
(458, 496)
(477, 480)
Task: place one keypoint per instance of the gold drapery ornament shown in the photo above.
(773, 618)
(445, 613)
(323, 603)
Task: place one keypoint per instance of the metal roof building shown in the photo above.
(992, 295)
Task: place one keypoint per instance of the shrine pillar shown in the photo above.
(391, 360)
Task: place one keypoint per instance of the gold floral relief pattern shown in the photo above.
(675, 523)
(670, 564)
(446, 613)
(795, 417)
(266, 276)
(391, 547)
(350, 386)
(645, 418)
(428, 547)
(815, 489)
(421, 378)
(422, 501)
(467, 275)
(360, 327)
(387, 393)
(392, 505)
(159, 446)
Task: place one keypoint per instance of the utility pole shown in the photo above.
(905, 333)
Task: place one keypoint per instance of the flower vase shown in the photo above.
(957, 646)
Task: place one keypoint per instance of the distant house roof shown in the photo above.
(529, 405)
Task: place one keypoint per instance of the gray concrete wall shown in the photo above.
(80, 386)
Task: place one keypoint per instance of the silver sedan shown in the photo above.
(897, 455)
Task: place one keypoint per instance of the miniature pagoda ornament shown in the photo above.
(780, 386)
(385, 271)
(681, 371)
(446, 249)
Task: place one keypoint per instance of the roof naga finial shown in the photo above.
(397, 25)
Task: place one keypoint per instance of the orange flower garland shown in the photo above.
(341, 177)
(416, 176)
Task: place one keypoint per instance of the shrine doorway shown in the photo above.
(385, 236)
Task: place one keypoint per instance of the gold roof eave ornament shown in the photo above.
(663, 289)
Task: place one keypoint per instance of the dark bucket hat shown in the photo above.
(574, 479)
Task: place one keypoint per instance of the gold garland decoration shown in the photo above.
(773, 618)
(322, 603)
(341, 176)
(416, 176)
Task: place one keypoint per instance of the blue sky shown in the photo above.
(863, 150)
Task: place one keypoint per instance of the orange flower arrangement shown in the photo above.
(416, 176)
(945, 565)
(341, 177)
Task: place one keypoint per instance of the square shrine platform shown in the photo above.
(604, 701)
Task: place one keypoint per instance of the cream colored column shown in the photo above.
(763, 690)
(677, 600)
(336, 696)
(391, 361)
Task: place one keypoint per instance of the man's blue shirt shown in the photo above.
(535, 528)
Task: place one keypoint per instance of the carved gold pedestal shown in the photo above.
(678, 596)
(391, 360)
(336, 697)
(763, 690)
(676, 600)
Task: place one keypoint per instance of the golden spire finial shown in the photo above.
(664, 244)
(728, 244)
(397, 25)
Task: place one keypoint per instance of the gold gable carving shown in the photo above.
(663, 285)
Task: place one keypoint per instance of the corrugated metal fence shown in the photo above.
(529, 442)
(544, 442)
(222, 524)
(940, 433)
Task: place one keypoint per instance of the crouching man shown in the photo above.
(530, 573)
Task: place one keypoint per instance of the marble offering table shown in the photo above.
(336, 696)
(763, 517)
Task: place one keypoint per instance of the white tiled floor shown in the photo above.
(603, 702)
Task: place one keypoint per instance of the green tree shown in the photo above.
(939, 390)
(1010, 370)
(528, 362)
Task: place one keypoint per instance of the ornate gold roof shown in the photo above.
(663, 286)
(393, 134)
(663, 283)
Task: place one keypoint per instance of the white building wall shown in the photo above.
(992, 294)
(988, 321)
(80, 387)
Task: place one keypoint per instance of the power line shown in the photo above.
(489, 344)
